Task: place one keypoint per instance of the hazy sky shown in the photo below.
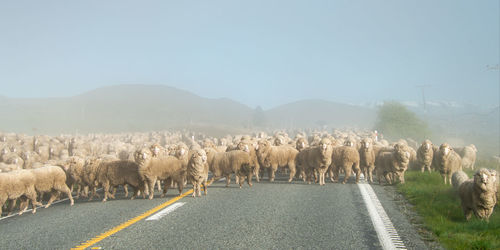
(257, 52)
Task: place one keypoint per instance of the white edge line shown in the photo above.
(37, 207)
(165, 211)
(378, 224)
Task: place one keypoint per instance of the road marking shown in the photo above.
(37, 207)
(387, 234)
(131, 222)
(166, 211)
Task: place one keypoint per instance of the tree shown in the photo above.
(395, 122)
(259, 117)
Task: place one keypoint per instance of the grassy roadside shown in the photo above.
(439, 206)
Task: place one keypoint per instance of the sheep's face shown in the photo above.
(402, 155)
(199, 156)
(484, 179)
(141, 156)
(243, 146)
(445, 149)
(155, 150)
(301, 144)
(263, 145)
(366, 144)
(427, 145)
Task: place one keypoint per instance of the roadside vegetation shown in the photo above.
(439, 206)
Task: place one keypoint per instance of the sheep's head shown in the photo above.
(199, 156)
(155, 149)
(181, 150)
(301, 143)
(402, 153)
(349, 142)
(366, 144)
(244, 146)
(427, 145)
(445, 149)
(485, 180)
(141, 156)
(263, 145)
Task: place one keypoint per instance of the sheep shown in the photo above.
(315, 160)
(477, 195)
(51, 179)
(425, 154)
(392, 164)
(90, 171)
(226, 163)
(118, 172)
(75, 172)
(346, 158)
(468, 155)
(4, 167)
(272, 157)
(168, 168)
(448, 162)
(249, 147)
(197, 171)
(16, 184)
(301, 143)
(367, 158)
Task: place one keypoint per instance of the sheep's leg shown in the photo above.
(195, 188)
(158, 182)
(151, 185)
(273, 168)
(106, 187)
(53, 196)
(112, 194)
(136, 193)
(32, 197)
(347, 174)
(358, 175)
(125, 188)
(85, 191)
(257, 173)
(198, 185)
(249, 180)
(467, 213)
(228, 180)
(2, 201)
(205, 187)
(293, 170)
(64, 189)
(10, 206)
(388, 178)
(332, 174)
(23, 203)
(181, 186)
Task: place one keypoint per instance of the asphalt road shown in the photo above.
(275, 215)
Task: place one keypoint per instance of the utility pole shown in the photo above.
(422, 87)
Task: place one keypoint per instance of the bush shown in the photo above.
(395, 121)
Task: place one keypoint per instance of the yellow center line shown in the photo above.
(130, 222)
(133, 221)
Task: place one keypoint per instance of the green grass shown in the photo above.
(439, 206)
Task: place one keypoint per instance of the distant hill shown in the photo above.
(121, 108)
(130, 108)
